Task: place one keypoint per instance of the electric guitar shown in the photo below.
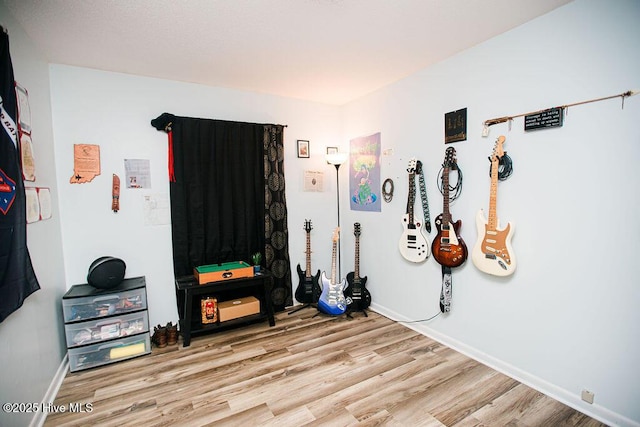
(413, 245)
(357, 295)
(492, 252)
(448, 248)
(332, 300)
(308, 290)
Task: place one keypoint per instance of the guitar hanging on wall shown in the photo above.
(492, 252)
(308, 290)
(413, 245)
(448, 248)
(357, 295)
(332, 300)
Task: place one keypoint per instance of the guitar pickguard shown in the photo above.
(492, 252)
(332, 300)
(413, 245)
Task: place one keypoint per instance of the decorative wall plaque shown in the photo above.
(552, 117)
(455, 126)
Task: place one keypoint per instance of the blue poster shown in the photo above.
(364, 173)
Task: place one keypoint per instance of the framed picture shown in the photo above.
(332, 150)
(303, 149)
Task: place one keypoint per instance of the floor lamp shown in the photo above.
(336, 159)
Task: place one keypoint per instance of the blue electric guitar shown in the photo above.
(332, 300)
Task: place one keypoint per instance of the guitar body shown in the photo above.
(448, 248)
(357, 295)
(492, 252)
(413, 246)
(308, 290)
(332, 300)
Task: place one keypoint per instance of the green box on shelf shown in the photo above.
(222, 271)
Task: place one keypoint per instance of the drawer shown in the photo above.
(99, 354)
(93, 331)
(97, 306)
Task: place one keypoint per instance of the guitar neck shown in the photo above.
(492, 221)
(333, 263)
(446, 215)
(356, 272)
(308, 252)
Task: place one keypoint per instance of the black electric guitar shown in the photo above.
(358, 296)
(448, 248)
(413, 245)
(308, 290)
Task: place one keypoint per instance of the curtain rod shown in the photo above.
(624, 95)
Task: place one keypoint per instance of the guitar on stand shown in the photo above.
(448, 248)
(357, 295)
(332, 300)
(492, 252)
(413, 245)
(308, 290)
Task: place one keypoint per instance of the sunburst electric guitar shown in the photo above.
(492, 252)
(308, 290)
(332, 300)
(413, 245)
(448, 248)
(357, 295)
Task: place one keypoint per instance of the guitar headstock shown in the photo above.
(356, 229)
(450, 158)
(497, 148)
(336, 234)
(307, 225)
(412, 165)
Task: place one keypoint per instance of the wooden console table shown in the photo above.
(189, 294)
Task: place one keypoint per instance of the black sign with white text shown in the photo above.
(544, 119)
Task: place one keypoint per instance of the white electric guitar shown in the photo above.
(492, 252)
(413, 245)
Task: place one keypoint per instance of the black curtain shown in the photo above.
(227, 198)
(17, 278)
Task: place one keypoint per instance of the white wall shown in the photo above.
(114, 111)
(32, 337)
(564, 322)
(567, 319)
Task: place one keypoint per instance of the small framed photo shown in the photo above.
(303, 149)
(332, 150)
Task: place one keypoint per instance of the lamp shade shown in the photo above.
(337, 158)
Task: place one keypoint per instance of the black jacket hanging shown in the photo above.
(17, 278)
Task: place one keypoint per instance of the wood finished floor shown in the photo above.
(306, 370)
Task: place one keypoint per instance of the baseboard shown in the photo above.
(595, 411)
(40, 416)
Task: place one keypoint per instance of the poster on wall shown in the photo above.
(157, 209)
(44, 200)
(86, 163)
(33, 206)
(313, 181)
(455, 126)
(24, 110)
(364, 173)
(26, 158)
(138, 173)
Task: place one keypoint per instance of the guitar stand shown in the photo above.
(353, 311)
(309, 305)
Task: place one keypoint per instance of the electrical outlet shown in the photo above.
(587, 396)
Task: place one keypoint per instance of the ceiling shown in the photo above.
(329, 51)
